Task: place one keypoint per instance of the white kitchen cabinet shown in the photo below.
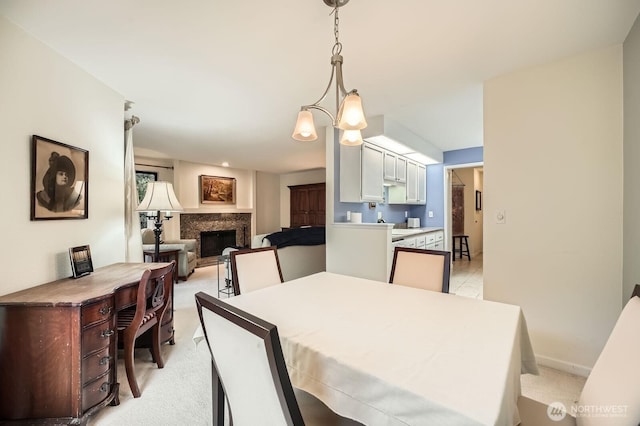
(422, 184)
(412, 182)
(401, 169)
(395, 168)
(415, 189)
(390, 160)
(361, 173)
(439, 241)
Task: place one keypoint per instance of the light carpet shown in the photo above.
(180, 393)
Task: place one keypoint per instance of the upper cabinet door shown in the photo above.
(361, 173)
(390, 166)
(401, 169)
(422, 184)
(372, 173)
(412, 182)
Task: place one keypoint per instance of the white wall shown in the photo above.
(298, 178)
(45, 94)
(553, 162)
(631, 161)
(267, 203)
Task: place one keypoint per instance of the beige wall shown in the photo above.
(298, 178)
(42, 93)
(267, 203)
(553, 163)
(631, 161)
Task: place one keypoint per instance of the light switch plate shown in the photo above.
(430, 213)
(501, 216)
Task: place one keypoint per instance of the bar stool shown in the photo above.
(463, 244)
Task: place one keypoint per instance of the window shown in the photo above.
(142, 178)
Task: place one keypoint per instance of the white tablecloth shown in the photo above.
(386, 354)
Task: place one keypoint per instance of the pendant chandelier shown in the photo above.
(350, 115)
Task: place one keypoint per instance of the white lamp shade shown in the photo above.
(351, 114)
(305, 128)
(159, 196)
(351, 137)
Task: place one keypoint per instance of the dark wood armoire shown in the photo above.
(308, 205)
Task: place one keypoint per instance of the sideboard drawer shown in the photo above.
(97, 312)
(96, 364)
(98, 336)
(96, 392)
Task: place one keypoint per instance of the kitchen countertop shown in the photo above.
(398, 234)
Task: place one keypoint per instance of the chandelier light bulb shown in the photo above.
(351, 138)
(305, 129)
(351, 115)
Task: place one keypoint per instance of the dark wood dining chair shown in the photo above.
(419, 268)
(612, 383)
(153, 293)
(252, 269)
(248, 368)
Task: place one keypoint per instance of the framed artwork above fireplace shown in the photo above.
(217, 190)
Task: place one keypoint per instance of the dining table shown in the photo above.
(385, 354)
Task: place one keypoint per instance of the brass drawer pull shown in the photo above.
(104, 360)
(107, 333)
(104, 387)
(105, 310)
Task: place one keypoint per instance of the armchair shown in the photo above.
(186, 257)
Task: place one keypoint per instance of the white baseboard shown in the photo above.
(578, 370)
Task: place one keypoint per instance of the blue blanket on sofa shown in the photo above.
(311, 236)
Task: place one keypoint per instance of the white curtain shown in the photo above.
(133, 250)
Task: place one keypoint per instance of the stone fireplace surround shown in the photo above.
(192, 224)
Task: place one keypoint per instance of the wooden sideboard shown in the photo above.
(58, 345)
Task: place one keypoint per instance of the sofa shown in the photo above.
(298, 257)
(186, 257)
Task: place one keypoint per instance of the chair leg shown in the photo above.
(129, 348)
(157, 355)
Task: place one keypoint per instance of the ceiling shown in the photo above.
(216, 81)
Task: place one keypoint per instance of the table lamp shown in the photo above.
(159, 196)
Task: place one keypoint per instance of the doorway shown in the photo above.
(463, 215)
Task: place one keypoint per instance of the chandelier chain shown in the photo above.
(337, 47)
